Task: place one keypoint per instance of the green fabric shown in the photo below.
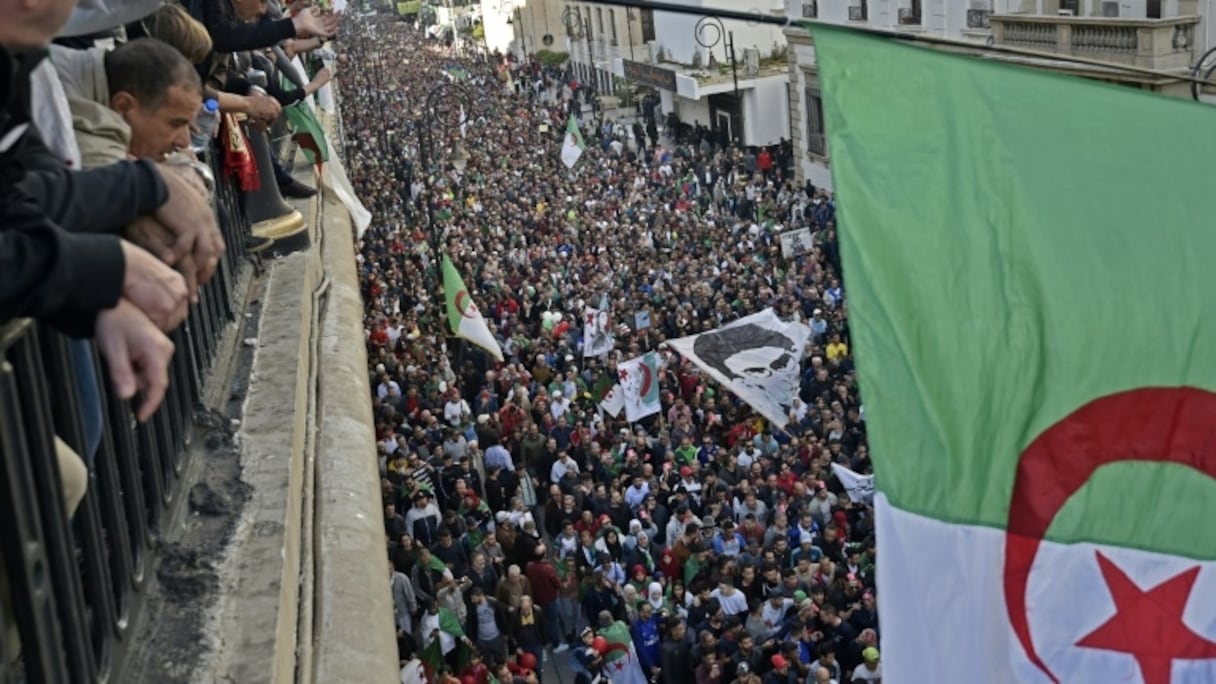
(307, 132)
(448, 622)
(1015, 245)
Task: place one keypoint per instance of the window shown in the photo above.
(910, 15)
(816, 140)
(858, 12)
(1153, 9)
(810, 10)
(612, 24)
(599, 20)
(647, 25)
(1070, 7)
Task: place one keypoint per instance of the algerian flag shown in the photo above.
(639, 382)
(572, 147)
(621, 659)
(614, 400)
(463, 316)
(1028, 259)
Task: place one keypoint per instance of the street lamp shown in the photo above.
(446, 106)
(709, 32)
(576, 29)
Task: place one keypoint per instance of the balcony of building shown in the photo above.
(1160, 44)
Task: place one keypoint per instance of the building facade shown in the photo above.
(1165, 36)
(625, 52)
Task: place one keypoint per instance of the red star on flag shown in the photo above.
(622, 374)
(1148, 624)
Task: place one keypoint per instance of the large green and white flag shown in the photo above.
(1028, 262)
(573, 145)
(463, 315)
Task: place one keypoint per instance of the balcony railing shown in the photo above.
(810, 10)
(1161, 44)
(909, 16)
(857, 12)
(978, 19)
(77, 584)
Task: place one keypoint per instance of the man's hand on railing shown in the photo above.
(262, 107)
(137, 355)
(189, 218)
(312, 22)
(156, 289)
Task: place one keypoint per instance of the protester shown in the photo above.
(699, 519)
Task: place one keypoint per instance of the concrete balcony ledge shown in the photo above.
(1160, 44)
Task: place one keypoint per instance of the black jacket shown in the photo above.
(500, 618)
(675, 662)
(46, 271)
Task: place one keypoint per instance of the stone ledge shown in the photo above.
(353, 618)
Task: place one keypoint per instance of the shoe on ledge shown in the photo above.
(255, 244)
(297, 190)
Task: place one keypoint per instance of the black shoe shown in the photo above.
(297, 190)
(255, 244)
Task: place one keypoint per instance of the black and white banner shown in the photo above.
(758, 358)
(860, 488)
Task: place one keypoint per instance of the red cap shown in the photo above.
(685, 471)
(779, 662)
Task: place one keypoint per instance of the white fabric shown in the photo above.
(954, 573)
(597, 332)
(639, 383)
(614, 402)
(49, 107)
(860, 488)
(333, 176)
(93, 16)
(757, 357)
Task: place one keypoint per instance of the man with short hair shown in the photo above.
(487, 626)
(137, 100)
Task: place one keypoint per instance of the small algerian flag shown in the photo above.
(463, 316)
(1043, 419)
(307, 132)
(572, 147)
(639, 380)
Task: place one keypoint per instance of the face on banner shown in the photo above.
(762, 362)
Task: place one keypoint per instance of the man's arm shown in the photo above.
(50, 273)
(100, 200)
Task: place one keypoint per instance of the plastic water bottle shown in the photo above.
(207, 123)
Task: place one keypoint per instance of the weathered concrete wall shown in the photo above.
(307, 594)
(353, 607)
(258, 618)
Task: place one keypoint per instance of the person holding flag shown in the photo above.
(444, 640)
(620, 658)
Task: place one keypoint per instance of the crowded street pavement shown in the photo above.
(529, 524)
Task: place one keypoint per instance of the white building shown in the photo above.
(1167, 36)
(617, 49)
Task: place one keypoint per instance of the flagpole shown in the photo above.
(758, 17)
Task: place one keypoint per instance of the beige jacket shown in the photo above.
(101, 133)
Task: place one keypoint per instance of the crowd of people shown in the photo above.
(525, 524)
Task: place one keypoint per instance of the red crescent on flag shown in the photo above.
(465, 305)
(616, 647)
(647, 379)
(1151, 424)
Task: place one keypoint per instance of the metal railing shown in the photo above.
(75, 585)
